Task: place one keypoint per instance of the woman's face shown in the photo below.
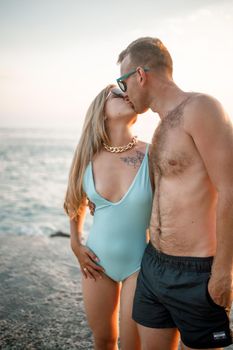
(118, 107)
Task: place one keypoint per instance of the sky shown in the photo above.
(56, 55)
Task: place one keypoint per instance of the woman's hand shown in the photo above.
(87, 260)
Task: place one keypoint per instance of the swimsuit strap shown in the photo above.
(147, 149)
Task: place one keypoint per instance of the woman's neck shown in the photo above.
(119, 136)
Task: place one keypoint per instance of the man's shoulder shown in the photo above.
(199, 101)
(204, 109)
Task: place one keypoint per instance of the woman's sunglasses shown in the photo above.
(116, 92)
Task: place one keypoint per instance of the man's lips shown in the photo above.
(130, 103)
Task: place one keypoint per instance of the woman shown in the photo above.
(116, 179)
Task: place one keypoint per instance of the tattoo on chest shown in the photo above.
(134, 161)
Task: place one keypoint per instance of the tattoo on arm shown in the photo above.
(134, 161)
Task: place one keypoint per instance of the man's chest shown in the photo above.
(173, 150)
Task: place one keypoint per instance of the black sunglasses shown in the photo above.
(121, 81)
(117, 92)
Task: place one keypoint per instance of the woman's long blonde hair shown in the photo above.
(93, 135)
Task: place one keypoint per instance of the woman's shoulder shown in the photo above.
(142, 146)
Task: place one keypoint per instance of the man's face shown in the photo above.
(133, 89)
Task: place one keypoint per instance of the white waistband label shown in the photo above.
(219, 335)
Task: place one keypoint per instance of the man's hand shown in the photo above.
(220, 289)
(91, 206)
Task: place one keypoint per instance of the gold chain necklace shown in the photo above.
(120, 149)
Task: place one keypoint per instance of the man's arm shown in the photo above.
(212, 132)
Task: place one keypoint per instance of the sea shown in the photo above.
(34, 169)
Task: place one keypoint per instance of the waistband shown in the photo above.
(189, 263)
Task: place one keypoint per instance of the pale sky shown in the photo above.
(56, 55)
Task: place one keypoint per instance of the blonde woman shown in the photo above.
(110, 167)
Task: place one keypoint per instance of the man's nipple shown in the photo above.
(172, 162)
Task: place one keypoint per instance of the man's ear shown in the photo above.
(141, 76)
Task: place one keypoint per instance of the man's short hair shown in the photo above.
(150, 52)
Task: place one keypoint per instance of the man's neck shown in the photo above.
(165, 97)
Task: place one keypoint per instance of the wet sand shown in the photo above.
(40, 295)
(41, 302)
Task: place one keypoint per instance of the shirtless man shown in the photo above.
(185, 283)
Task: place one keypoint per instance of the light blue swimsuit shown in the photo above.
(118, 233)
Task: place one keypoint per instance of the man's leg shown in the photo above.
(156, 327)
(184, 347)
(157, 339)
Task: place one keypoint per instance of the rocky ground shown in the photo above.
(40, 295)
(41, 302)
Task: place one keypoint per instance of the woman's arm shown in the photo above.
(87, 259)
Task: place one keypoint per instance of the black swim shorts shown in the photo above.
(172, 293)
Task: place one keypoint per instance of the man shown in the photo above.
(185, 283)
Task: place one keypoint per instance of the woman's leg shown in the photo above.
(129, 336)
(101, 300)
